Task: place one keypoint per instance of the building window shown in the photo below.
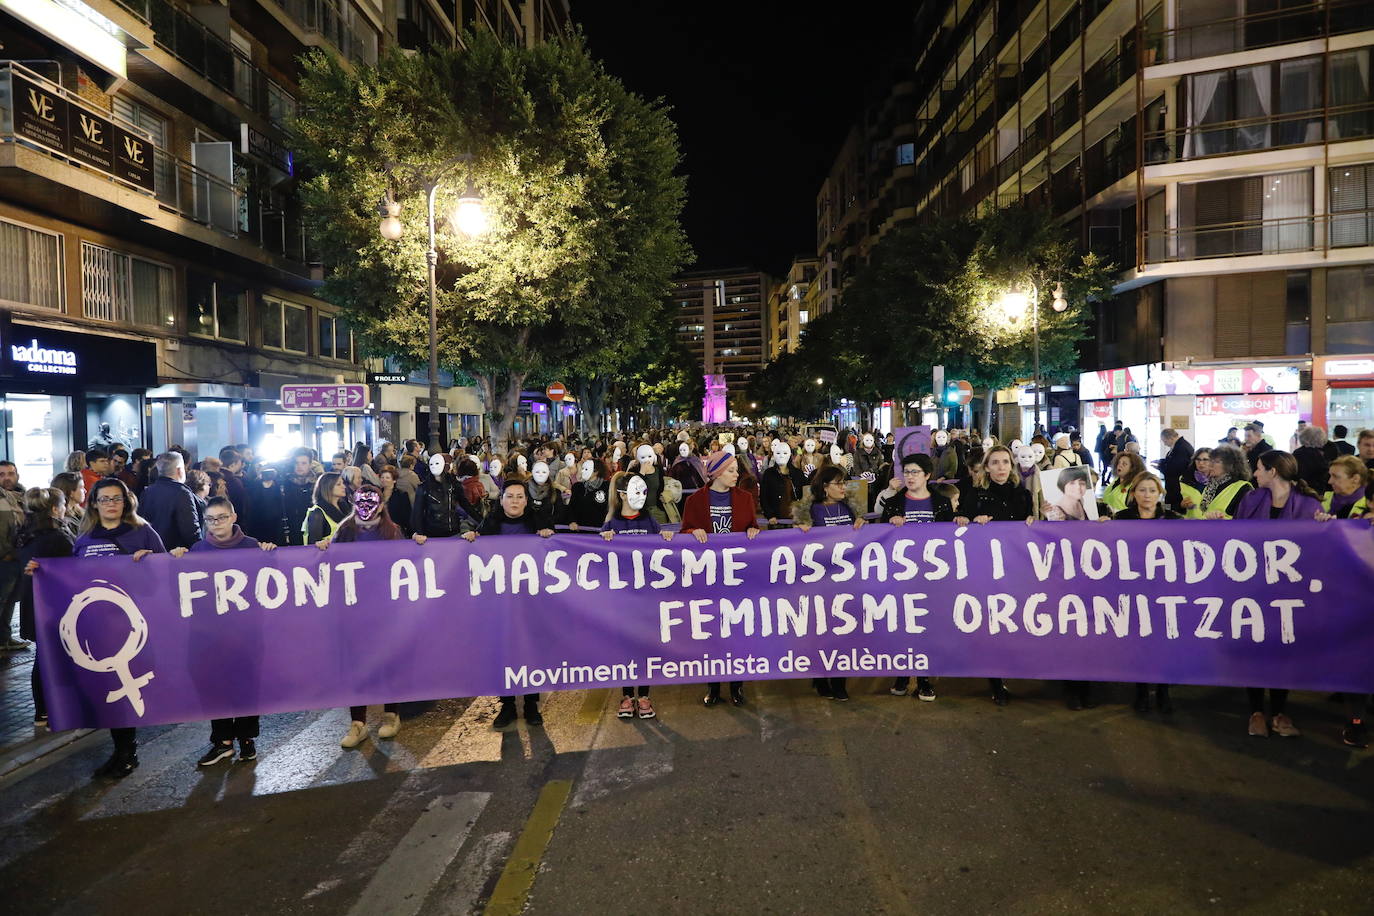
(285, 326)
(906, 153)
(1350, 309)
(1352, 205)
(1298, 314)
(215, 309)
(129, 290)
(336, 340)
(30, 266)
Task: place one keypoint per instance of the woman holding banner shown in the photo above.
(827, 505)
(1230, 482)
(112, 527)
(1144, 501)
(43, 535)
(330, 508)
(1280, 494)
(1190, 486)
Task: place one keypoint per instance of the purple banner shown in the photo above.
(237, 632)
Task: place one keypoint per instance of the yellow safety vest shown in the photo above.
(330, 524)
(1191, 493)
(1225, 497)
(1356, 510)
(1115, 497)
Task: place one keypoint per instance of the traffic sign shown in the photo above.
(556, 391)
(957, 392)
(323, 397)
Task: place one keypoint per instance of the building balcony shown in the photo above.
(1259, 30)
(1280, 236)
(1282, 131)
(328, 19)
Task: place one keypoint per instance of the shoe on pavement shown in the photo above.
(839, 692)
(117, 767)
(897, 691)
(357, 734)
(391, 724)
(627, 708)
(40, 720)
(1355, 734)
(216, 753)
(711, 699)
(248, 749)
(1258, 728)
(646, 708)
(505, 717)
(822, 686)
(737, 697)
(924, 691)
(1001, 696)
(1284, 727)
(15, 645)
(532, 714)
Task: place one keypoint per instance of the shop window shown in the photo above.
(30, 266)
(214, 308)
(1350, 310)
(285, 326)
(122, 288)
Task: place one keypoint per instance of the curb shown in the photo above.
(24, 754)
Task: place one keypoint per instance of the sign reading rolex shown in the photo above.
(43, 116)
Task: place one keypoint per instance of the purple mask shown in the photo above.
(366, 504)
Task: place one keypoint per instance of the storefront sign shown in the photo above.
(1348, 367)
(387, 378)
(1261, 380)
(1243, 405)
(43, 116)
(35, 358)
(51, 358)
(323, 397)
(256, 143)
(1129, 382)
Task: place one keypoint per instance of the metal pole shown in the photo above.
(1035, 323)
(432, 258)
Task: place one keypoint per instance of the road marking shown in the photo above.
(513, 888)
(459, 897)
(399, 887)
(144, 789)
(300, 761)
(590, 712)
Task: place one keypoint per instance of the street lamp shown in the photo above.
(469, 217)
(1019, 298)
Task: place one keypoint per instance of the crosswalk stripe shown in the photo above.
(142, 789)
(298, 762)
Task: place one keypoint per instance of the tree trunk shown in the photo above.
(591, 398)
(501, 394)
(989, 405)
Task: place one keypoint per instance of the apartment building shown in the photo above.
(152, 246)
(723, 320)
(1219, 151)
(790, 305)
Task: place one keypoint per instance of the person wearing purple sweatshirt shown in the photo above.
(224, 533)
(112, 527)
(1279, 494)
(626, 516)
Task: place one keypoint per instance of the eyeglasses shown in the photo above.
(109, 500)
(216, 519)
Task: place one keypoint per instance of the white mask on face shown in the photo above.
(541, 472)
(836, 454)
(988, 444)
(1037, 452)
(868, 441)
(809, 445)
(645, 456)
(742, 445)
(521, 463)
(1014, 445)
(586, 472)
(1025, 458)
(569, 460)
(782, 453)
(683, 450)
(494, 468)
(616, 453)
(942, 438)
(436, 465)
(636, 493)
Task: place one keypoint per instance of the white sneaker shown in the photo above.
(391, 724)
(357, 734)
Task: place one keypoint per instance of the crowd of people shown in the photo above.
(661, 483)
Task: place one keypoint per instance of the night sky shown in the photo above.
(763, 94)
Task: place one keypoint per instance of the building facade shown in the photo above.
(1220, 153)
(723, 321)
(790, 305)
(150, 226)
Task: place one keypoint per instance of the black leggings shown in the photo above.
(630, 691)
(530, 698)
(359, 713)
(40, 708)
(224, 731)
(1278, 700)
(714, 688)
(125, 741)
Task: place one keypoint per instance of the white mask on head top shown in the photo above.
(988, 444)
(836, 454)
(809, 445)
(494, 467)
(436, 465)
(645, 456)
(942, 438)
(521, 463)
(540, 472)
(728, 448)
(782, 453)
(636, 493)
(1025, 458)
(868, 440)
(1037, 452)
(683, 449)
(586, 472)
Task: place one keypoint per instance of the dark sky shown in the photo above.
(762, 93)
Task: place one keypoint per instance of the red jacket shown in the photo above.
(696, 512)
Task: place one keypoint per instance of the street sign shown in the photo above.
(965, 391)
(957, 393)
(323, 397)
(556, 391)
(387, 378)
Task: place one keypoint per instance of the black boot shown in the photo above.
(822, 685)
(506, 716)
(1162, 701)
(1142, 697)
(532, 714)
(120, 764)
(837, 688)
(712, 695)
(1000, 695)
(737, 693)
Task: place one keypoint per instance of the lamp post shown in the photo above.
(468, 217)
(1015, 302)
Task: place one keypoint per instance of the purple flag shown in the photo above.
(238, 632)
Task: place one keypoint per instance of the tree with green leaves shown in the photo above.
(578, 179)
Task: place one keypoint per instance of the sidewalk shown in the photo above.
(20, 741)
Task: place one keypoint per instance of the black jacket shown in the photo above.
(439, 508)
(171, 509)
(35, 544)
(775, 495)
(585, 508)
(942, 507)
(1006, 502)
(1175, 467)
(1253, 453)
(265, 516)
(497, 517)
(297, 496)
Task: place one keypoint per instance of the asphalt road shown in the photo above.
(791, 804)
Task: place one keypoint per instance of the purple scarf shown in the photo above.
(1257, 502)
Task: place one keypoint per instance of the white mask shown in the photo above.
(636, 493)
(1014, 445)
(1025, 458)
(682, 435)
(645, 456)
(742, 445)
(616, 454)
(728, 448)
(809, 445)
(683, 450)
(1038, 452)
(988, 444)
(494, 468)
(569, 460)
(868, 441)
(942, 438)
(586, 472)
(782, 453)
(436, 465)
(836, 454)
(540, 472)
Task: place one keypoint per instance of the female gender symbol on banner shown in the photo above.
(129, 686)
